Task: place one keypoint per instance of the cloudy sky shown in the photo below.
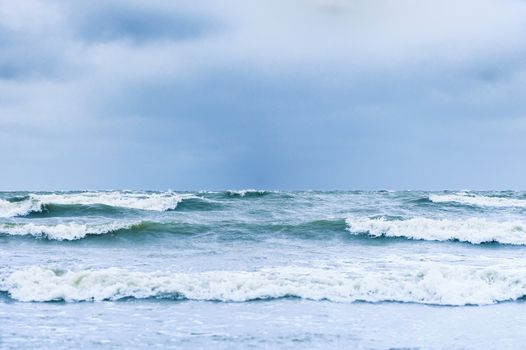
(280, 94)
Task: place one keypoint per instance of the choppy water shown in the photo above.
(262, 269)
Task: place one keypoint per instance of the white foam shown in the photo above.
(134, 200)
(243, 193)
(428, 283)
(474, 230)
(144, 201)
(471, 199)
(24, 207)
(63, 231)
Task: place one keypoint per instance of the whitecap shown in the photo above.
(20, 208)
(472, 230)
(64, 231)
(243, 193)
(477, 200)
(428, 283)
(134, 200)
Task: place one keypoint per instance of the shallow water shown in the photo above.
(284, 323)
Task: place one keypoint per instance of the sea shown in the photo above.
(258, 269)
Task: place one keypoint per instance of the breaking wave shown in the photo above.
(247, 193)
(65, 231)
(474, 230)
(10, 209)
(428, 283)
(477, 200)
(131, 200)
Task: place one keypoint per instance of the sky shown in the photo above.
(274, 94)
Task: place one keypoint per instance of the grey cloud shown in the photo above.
(267, 94)
(140, 24)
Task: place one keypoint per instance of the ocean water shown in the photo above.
(262, 269)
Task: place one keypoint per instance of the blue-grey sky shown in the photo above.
(279, 94)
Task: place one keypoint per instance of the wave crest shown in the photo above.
(132, 200)
(11, 209)
(64, 231)
(437, 284)
(477, 200)
(247, 193)
(474, 230)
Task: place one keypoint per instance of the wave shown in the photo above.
(20, 208)
(76, 210)
(66, 231)
(477, 200)
(197, 203)
(231, 230)
(427, 283)
(131, 200)
(474, 230)
(247, 193)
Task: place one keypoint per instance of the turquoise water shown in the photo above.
(262, 269)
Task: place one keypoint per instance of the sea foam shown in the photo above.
(477, 200)
(473, 230)
(21, 208)
(144, 201)
(247, 192)
(133, 200)
(428, 283)
(64, 231)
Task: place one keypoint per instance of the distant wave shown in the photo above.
(474, 230)
(247, 193)
(428, 283)
(477, 200)
(143, 201)
(132, 200)
(65, 231)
